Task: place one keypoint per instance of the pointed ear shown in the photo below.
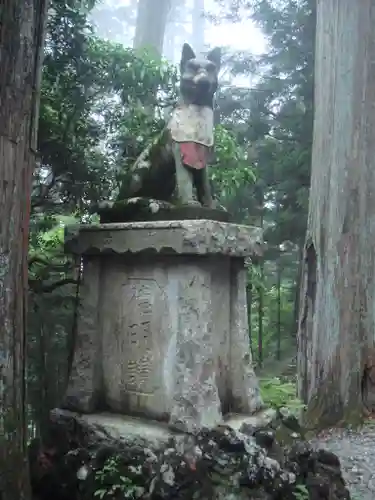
(215, 56)
(187, 54)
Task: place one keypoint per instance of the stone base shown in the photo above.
(163, 323)
(84, 455)
(148, 209)
(133, 431)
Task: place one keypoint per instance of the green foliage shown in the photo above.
(277, 320)
(93, 110)
(273, 123)
(231, 168)
(277, 393)
(301, 492)
(109, 482)
(50, 314)
(276, 117)
(271, 329)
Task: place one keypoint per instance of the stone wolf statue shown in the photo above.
(176, 163)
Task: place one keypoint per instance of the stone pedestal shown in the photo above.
(163, 322)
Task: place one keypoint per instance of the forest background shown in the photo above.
(95, 119)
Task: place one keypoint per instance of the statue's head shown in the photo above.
(199, 76)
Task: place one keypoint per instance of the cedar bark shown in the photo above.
(151, 24)
(198, 25)
(336, 359)
(21, 48)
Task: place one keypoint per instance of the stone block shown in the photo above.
(163, 323)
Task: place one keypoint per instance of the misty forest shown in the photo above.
(85, 87)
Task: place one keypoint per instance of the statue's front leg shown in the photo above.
(184, 179)
(204, 189)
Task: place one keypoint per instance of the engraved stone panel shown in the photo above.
(134, 337)
(138, 311)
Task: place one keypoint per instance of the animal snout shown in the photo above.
(202, 80)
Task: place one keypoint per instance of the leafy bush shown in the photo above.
(277, 393)
(301, 493)
(110, 482)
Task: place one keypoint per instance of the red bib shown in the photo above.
(194, 155)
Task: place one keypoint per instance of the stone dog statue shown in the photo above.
(176, 163)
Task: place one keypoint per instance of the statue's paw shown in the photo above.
(210, 203)
(190, 203)
(105, 204)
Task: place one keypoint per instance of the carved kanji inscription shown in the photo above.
(139, 325)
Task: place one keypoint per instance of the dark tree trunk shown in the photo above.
(21, 48)
(249, 297)
(278, 320)
(198, 25)
(260, 317)
(297, 294)
(151, 24)
(336, 361)
(260, 289)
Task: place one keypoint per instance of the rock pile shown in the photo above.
(81, 460)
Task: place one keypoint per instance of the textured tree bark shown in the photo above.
(336, 360)
(151, 23)
(198, 25)
(21, 37)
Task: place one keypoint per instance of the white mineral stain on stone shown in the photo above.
(288, 477)
(154, 207)
(271, 465)
(167, 474)
(131, 430)
(82, 473)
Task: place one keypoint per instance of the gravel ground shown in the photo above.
(356, 450)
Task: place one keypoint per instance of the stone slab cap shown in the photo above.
(194, 237)
(145, 433)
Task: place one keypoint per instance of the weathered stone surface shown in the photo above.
(149, 209)
(136, 329)
(195, 401)
(244, 383)
(164, 335)
(83, 391)
(218, 464)
(189, 237)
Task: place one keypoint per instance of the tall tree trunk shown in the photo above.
(21, 48)
(261, 292)
(278, 320)
(198, 25)
(173, 32)
(151, 23)
(297, 292)
(260, 316)
(170, 45)
(249, 297)
(336, 360)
